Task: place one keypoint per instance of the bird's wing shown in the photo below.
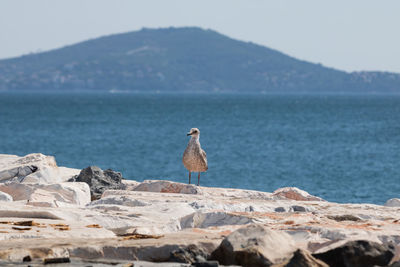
(203, 153)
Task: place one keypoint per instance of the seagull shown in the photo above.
(194, 158)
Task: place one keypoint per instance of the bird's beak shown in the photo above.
(189, 134)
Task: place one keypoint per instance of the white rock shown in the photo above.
(119, 200)
(130, 184)
(5, 197)
(254, 245)
(33, 168)
(295, 194)
(209, 219)
(393, 202)
(46, 195)
(163, 186)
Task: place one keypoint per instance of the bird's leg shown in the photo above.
(198, 180)
(189, 177)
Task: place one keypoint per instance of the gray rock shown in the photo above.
(393, 202)
(298, 208)
(358, 253)
(17, 173)
(302, 258)
(280, 209)
(189, 254)
(254, 245)
(5, 197)
(99, 180)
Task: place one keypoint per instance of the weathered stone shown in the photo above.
(208, 219)
(33, 168)
(99, 180)
(345, 217)
(358, 253)
(393, 202)
(167, 187)
(295, 194)
(48, 195)
(302, 258)
(297, 208)
(5, 197)
(128, 201)
(254, 245)
(189, 254)
(130, 184)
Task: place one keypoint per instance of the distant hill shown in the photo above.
(180, 60)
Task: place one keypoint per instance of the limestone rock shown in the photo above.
(48, 195)
(302, 258)
(119, 200)
(208, 219)
(5, 197)
(393, 202)
(99, 180)
(254, 245)
(162, 186)
(295, 194)
(33, 168)
(130, 184)
(358, 253)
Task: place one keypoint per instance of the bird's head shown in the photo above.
(194, 132)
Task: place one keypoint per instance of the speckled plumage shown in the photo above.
(194, 158)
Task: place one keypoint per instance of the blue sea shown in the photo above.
(343, 148)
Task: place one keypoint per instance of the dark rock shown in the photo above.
(56, 260)
(280, 209)
(358, 253)
(27, 258)
(190, 254)
(254, 245)
(298, 208)
(206, 264)
(302, 258)
(395, 264)
(99, 180)
(346, 217)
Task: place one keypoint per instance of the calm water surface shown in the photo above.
(342, 148)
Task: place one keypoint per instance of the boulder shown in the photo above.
(189, 254)
(294, 193)
(393, 202)
(48, 195)
(254, 245)
(5, 197)
(358, 253)
(302, 258)
(162, 186)
(99, 180)
(33, 168)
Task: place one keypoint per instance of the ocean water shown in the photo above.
(343, 148)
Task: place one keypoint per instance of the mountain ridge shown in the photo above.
(187, 59)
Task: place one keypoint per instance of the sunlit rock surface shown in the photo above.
(168, 221)
(33, 168)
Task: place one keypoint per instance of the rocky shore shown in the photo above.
(52, 214)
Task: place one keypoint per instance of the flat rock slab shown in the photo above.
(118, 248)
(48, 195)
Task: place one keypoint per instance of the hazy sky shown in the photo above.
(348, 35)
